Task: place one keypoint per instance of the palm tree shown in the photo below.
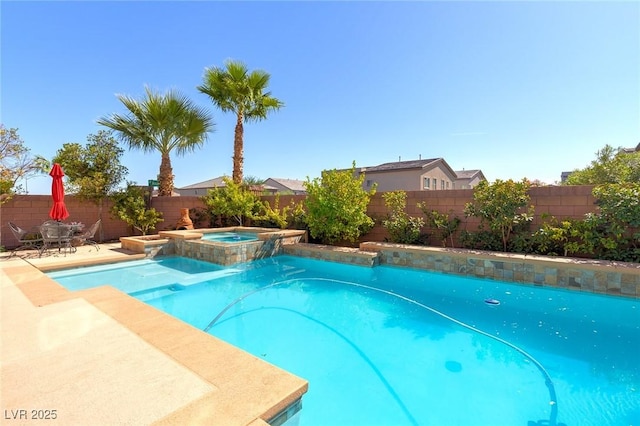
(235, 89)
(161, 123)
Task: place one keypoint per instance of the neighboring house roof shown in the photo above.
(211, 183)
(470, 174)
(632, 150)
(269, 185)
(404, 165)
(291, 184)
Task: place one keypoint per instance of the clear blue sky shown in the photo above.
(516, 89)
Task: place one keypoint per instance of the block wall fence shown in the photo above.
(560, 201)
(29, 211)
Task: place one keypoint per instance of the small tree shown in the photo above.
(297, 216)
(610, 166)
(272, 217)
(619, 217)
(130, 206)
(402, 228)
(232, 201)
(93, 171)
(16, 162)
(441, 222)
(336, 206)
(501, 206)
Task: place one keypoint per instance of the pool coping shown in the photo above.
(246, 390)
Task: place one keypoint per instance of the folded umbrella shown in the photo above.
(59, 209)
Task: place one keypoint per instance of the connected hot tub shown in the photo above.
(223, 246)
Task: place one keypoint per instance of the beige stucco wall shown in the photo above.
(408, 180)
(193, 192)
(467, 183)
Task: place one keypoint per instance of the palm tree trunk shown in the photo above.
(165, 179)
(238, 148)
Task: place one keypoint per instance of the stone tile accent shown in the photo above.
(352, 256)
(616, 278)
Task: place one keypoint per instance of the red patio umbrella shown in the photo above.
(58, 210)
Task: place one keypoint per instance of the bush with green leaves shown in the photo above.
(502, 207)
(444, 225)
(200, 217)
(272, 217)
(553, 238)
(612, 233)
(402, 228)
(93, 171)
(297, 218)
(482, 239)
(129, 205)
(617, 222)
(233, 201)
(16, 163)
(611, 166)
(336, 206)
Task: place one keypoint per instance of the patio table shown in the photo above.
(57, 234)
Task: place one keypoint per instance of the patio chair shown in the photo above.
(88, 236)
(56, 234)
(27, 239)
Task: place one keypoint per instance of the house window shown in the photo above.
(442, 184)
(368, 183)
(435, 183)
(425, 183)
(447, 184)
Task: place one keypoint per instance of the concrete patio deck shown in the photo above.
(100, 357)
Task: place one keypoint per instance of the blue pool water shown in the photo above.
(395, 346)
(230, 237)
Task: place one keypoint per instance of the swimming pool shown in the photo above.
(395, 346)
(230, 237)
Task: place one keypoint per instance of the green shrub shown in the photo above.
(616, 227)
(402, 228)
(502, 207)
(297, 218)
(444, 226)
(233, 201)
(553, 238)
(481, 239)
(130, 206)
(269, 217)
(336, 206)
(200, 217)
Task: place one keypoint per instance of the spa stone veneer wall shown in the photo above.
(233, 253)
(223, 254)
(616, 278)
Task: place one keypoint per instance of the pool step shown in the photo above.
(207, 276)
(160, 291)
(156, 292)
